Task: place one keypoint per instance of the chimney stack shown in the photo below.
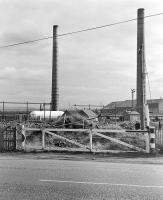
(141, 72)
(54, 94)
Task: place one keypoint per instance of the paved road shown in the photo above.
(46, 179)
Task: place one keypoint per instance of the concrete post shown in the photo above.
(24, 137)
(152, 136)
(147, 143)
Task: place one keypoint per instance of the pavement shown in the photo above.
(61, 176)
(99, 157)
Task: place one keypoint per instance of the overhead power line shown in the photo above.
(79, 31)
(25, 42)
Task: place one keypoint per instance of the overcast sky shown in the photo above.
(95, 67)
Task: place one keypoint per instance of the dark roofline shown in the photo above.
(128, 103)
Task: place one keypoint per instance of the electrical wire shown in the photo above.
(147, 76)
(79, 31)
(26, 42)
(149, 87)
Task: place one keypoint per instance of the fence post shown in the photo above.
(83, 124)
(161, 136)
(43, 139)
(15, 138)
(147, 148)
(23, 138)
(50, 116)
(44, 110)
(27, 111)
(1, 142)
(90, 140)
(152, 137)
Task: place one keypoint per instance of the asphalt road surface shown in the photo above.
(44, 179)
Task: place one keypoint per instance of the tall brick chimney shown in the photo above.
(141, 74)
(54, 94)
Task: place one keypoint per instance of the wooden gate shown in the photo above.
(8, 139)
(84, 140)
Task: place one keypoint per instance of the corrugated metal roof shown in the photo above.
(74, 113)
(133, 112)
(89, 113)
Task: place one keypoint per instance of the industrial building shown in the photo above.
(118, 108)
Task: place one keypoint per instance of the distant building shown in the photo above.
(117, 109)
(127, 104)
(156, 109)
(132, 116)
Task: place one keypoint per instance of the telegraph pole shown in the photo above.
(132, 94)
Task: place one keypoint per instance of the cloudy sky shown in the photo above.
(95, 67)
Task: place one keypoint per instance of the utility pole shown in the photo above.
(3, 108)
(115, 113)
(141, 75)
(132, 93)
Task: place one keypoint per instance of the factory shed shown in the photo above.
(73, 114)
(88, 114)
(74, 119)
(132, 116)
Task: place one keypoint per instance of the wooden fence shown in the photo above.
(159, 137)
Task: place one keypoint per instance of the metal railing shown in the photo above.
(20, 111)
